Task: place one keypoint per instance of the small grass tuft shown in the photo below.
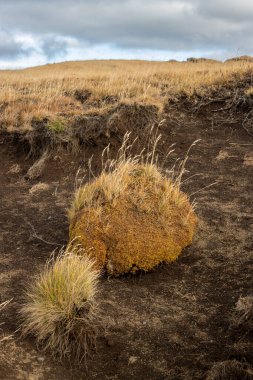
(249, 92)
(243, 315)
(61, 309)
(4, 338)
(229, 370)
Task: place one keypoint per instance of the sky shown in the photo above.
(35, 32)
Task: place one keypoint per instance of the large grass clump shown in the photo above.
(61, 309)
(132, 217)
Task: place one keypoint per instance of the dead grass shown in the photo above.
(60, 91)
(38, 188)
(3, 305)
(116, 174)
(36, 170)
(4, 338)
(229, 370)
(243, 315)
(249, 92)
(61, 309)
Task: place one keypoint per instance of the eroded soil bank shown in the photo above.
(172, 323)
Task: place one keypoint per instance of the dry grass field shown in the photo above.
(62, 91)
(68, 178)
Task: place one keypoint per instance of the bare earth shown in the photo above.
(172, 323)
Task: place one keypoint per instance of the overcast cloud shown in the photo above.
(39, 31)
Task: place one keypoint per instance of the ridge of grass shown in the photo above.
(65, 90)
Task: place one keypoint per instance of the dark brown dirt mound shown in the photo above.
(227, 103)
(227, 98)
(102, 129)
(96, 130)
(135, 118)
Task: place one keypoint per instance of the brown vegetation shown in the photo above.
(242, 58)
(55, 95)
(60, 308)
(131, 217)
(3, 338)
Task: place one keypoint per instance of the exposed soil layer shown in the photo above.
(172, 323)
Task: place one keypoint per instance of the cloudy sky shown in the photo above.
(34, 32)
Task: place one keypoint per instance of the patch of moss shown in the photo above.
(56, 126)
(146, 222)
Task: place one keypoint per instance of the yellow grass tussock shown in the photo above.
(132, 217)
(61, 308)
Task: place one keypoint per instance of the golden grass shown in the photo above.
(114, 181)
(249, 92)
(60, 308)
(132, 216)
(49, 91)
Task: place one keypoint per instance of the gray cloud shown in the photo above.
(173, 25)
(9, 47)
(53, 46)
(234, 11)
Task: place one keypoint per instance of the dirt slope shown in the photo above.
(168, 324)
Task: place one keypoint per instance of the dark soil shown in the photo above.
(172, 323)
